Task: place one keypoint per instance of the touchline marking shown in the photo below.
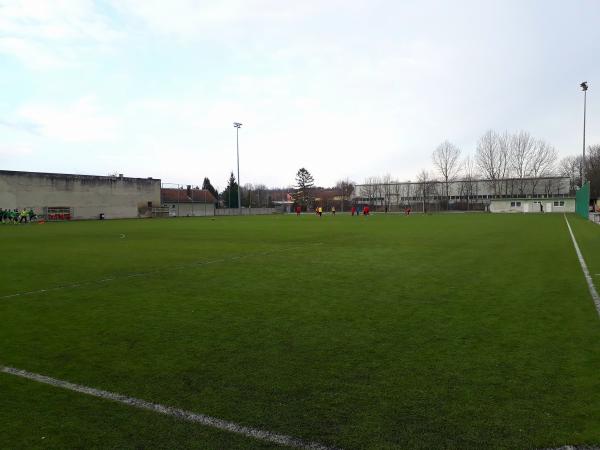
(153, 272)
(182, 414)
(573, 447)
(585, 270)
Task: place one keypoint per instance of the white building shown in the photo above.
(528, 205)
(459, 194)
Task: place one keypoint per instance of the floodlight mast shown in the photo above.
(584, 88)
(237, 126)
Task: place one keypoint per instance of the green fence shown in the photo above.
(582, 202)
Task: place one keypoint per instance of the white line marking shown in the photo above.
(572, 447)
(152, 272)
(585, 270)
(189, 416)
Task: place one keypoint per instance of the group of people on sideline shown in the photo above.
(15, 216)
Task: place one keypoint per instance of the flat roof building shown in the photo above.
(460, 194)
(79, 196)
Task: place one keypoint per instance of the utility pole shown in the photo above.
(237, 126)
(584, 88)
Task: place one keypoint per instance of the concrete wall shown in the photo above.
(528, 205)
(190, 209)
(88, 196)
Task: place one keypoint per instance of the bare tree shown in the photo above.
(397, 190)
(345, 189)
(247, 198)
(386, 191)
(592, 167)
(377, 191)
(570, 166)
(469, 179)
(489, 158)
(522, 146)
(542, 162)
(408, 191)
(551, 185)
(446, 161)
(370, 188)
(435, 190)
(261, 198)
(426, 187)
(504, 160)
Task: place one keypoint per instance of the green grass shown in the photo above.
(447, 331)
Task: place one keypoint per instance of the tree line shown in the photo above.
(303, 193)
(499, 156)
(307, 196)
(252, 195)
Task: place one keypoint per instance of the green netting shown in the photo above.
(582, 201)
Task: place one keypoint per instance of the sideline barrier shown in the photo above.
(582, 201)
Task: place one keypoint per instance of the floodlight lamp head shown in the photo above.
(237, 124)
(584, 86)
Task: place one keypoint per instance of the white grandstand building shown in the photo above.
(469, 194)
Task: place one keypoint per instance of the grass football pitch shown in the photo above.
(442, 331)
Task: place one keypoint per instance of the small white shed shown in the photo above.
(533, 205)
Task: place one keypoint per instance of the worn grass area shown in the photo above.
(447, 331)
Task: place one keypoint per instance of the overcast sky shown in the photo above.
(344, 88)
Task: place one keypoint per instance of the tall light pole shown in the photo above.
(237, 126)
(584, 88)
